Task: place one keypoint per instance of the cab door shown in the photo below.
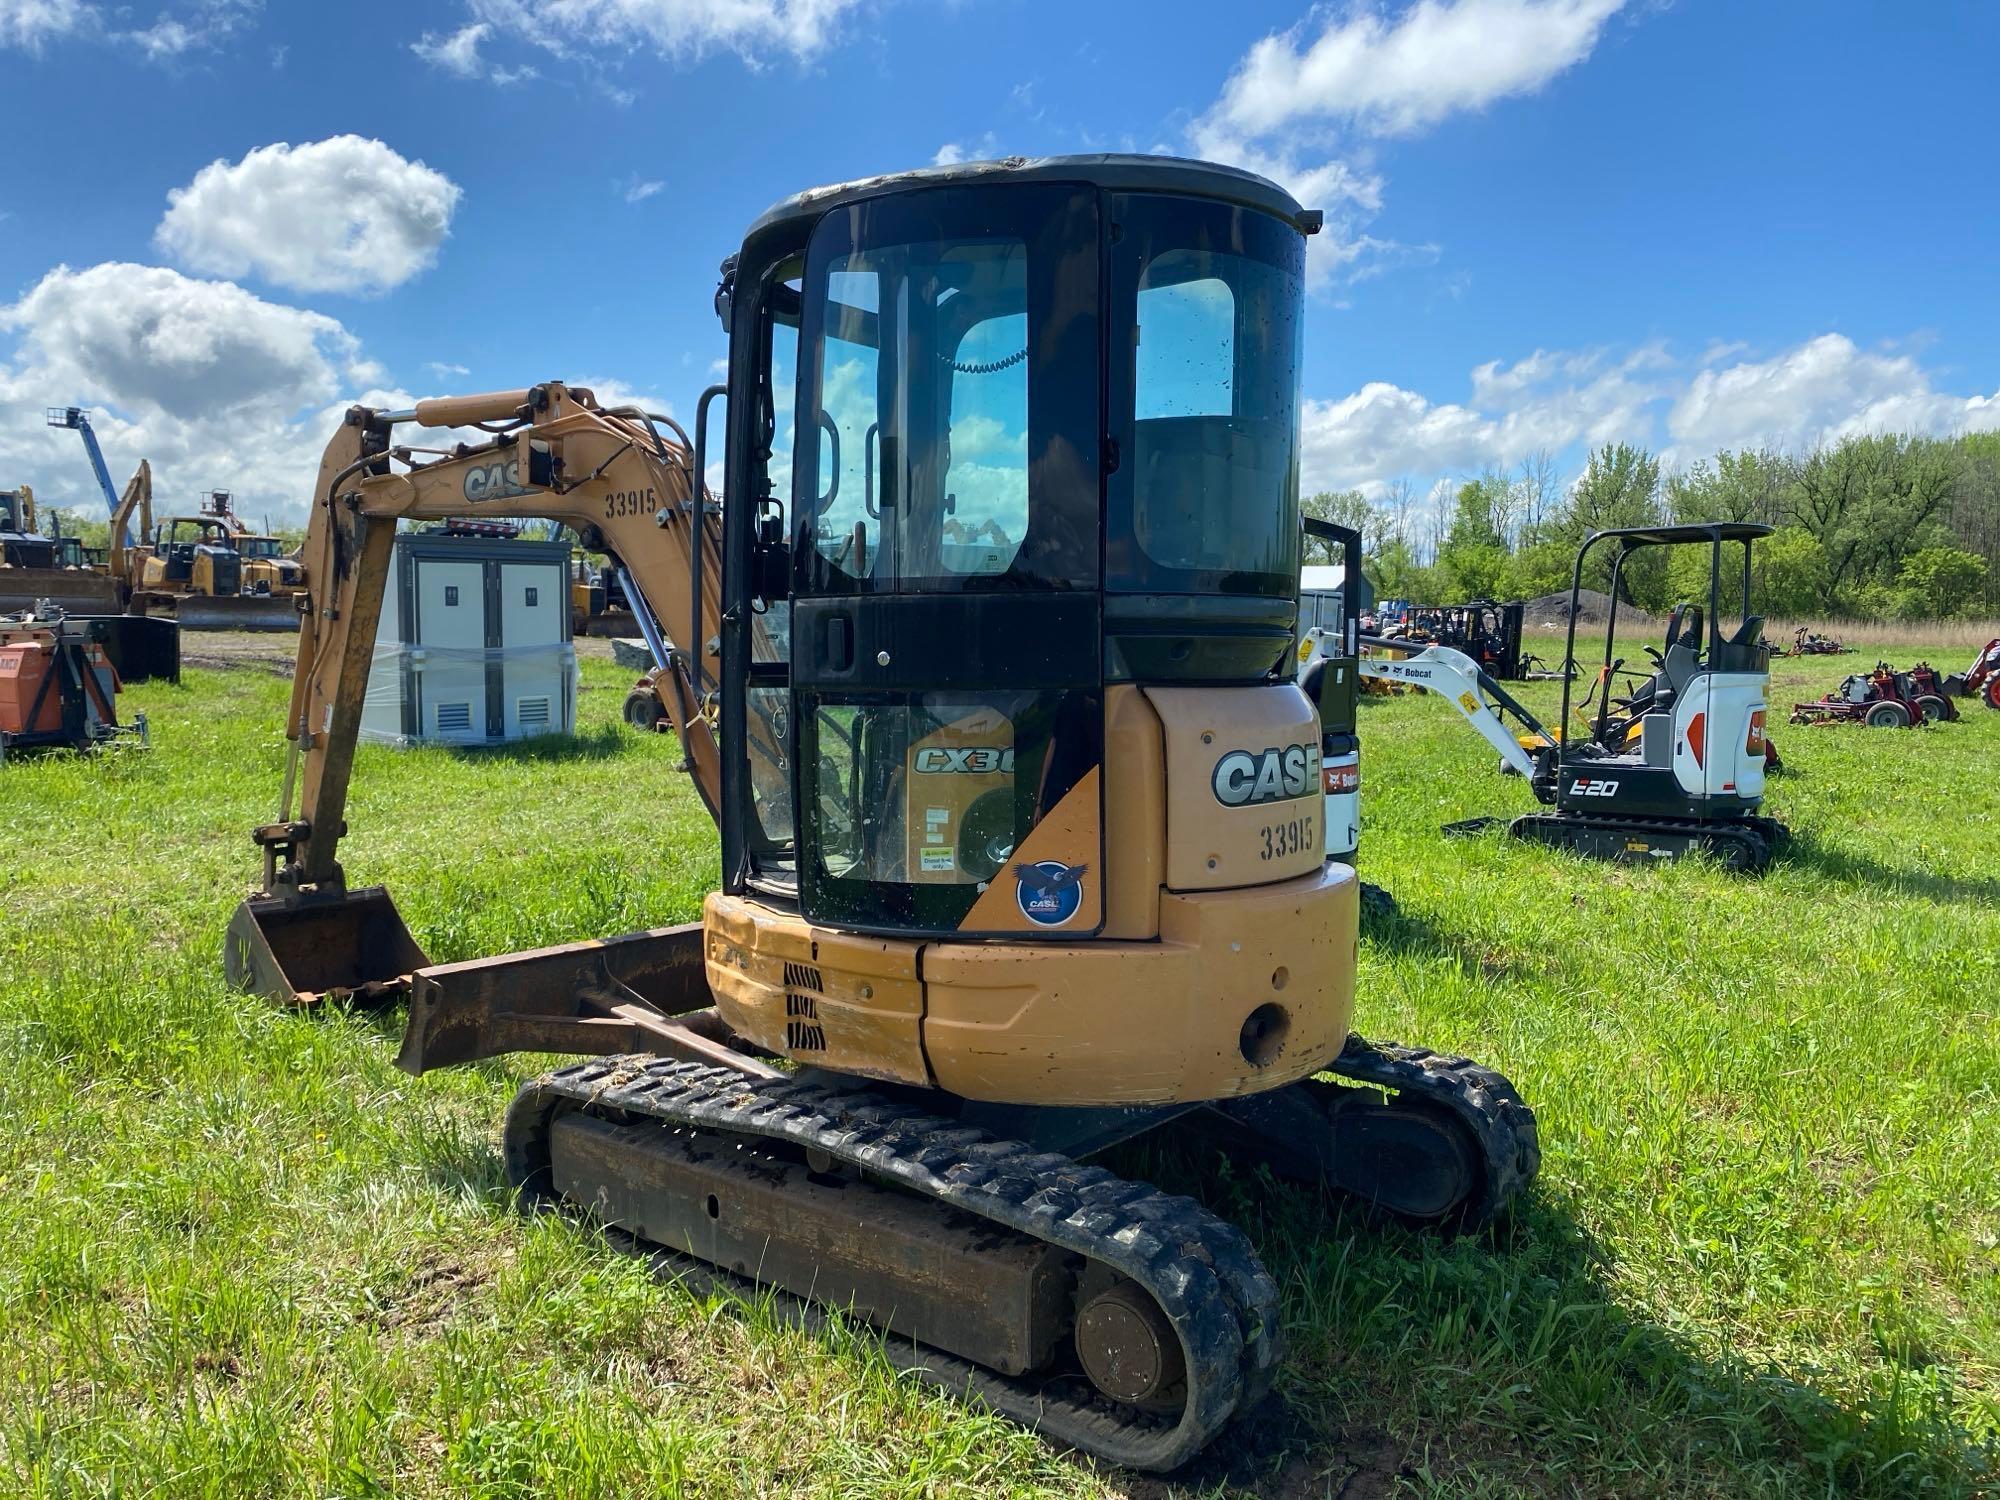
(946, 627)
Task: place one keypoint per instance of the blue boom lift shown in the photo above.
(79, 419)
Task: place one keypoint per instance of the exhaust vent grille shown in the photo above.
(532, 713)
(804, 1036)
(804, 977)
(454, 718)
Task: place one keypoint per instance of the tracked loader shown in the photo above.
(989, 684)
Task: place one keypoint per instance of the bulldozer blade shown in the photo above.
(237, 612)
(73, 591)
(600, 996)
(308, 949)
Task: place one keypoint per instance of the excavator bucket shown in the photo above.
(308, 949)
(142, 648)
(236, 612)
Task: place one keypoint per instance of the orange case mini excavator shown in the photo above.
(984, 669)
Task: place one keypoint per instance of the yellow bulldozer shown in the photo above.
(53, 569)
(270, 570)
(1021, 837)
(204, 571)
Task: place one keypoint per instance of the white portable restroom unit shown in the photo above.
(474, 646)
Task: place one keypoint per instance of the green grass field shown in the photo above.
(240, 1254)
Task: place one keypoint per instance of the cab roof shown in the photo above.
(1694, 531)
(1111, 171)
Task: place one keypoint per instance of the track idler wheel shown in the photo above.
(1127, 1346)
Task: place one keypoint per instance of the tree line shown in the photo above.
(1884, 527)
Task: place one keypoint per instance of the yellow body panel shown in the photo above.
(1151, 1023)
(1135, 815)
(831, 998)
(1096, 1023)
(1068, 836)
(1259, 746)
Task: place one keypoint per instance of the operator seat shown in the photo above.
(1678, 665)
(1682, 658)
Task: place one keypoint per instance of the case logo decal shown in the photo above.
(1049, 893)
(1243, 778)
(495, 481)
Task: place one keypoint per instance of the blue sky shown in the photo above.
(1552, 222)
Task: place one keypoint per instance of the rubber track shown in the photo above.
(1745, 831)
(1200, 1268)
(1501, 1124)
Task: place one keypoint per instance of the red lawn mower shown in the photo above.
(1811, 643)
(1881, 699)
(1982, 681)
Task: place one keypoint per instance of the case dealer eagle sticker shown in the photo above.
(1049, 893)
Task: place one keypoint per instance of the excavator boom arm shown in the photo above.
(1458, 678)
(556, 454)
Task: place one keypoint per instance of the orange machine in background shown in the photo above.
(57, 685)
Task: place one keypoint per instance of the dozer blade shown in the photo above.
(236, 612)
(308, 949)
(72, 591)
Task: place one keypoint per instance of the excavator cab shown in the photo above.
(1003, 445)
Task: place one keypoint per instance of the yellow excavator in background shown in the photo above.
(1021, 835)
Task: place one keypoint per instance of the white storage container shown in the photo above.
(474, 646)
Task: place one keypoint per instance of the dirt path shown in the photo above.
(269, 651)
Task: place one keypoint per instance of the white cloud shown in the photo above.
(679, 30)
(634, 189)
(458, 54)
(1821, 391)
(444, 370)
(951, 153)
(201, 27)
(166, 38)
(215, 385)
(1393, 77)
(1298, 103)
(27, 24)
(346, 214)
(1548, 400)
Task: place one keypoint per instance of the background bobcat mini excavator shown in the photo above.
(1020, 817)
(1675, 766)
